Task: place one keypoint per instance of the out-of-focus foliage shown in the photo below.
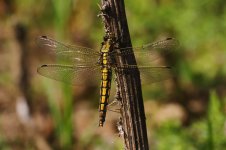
(208, 133)
(199, 26)
(187, 111)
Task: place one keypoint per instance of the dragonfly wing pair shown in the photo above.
(146, 54)
(80, 63)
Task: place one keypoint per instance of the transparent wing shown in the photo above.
(75, 75)
(148, 51)
(148, 74)
(72, 54)
(163, 45)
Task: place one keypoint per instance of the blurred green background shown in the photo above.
(184, 112)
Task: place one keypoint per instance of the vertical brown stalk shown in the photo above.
(132, 111)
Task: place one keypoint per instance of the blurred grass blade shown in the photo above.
(215, 122)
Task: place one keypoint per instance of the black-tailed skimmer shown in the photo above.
(83, 65)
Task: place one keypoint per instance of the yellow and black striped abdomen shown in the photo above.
(105, 82)
(104, 93)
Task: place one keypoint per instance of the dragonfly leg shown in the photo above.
(102, 15)
(117, 94)
(104, 8)
(120, 127)
(116, 110)
(113, 103)
(116, 101)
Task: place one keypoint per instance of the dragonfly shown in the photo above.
(82, 65)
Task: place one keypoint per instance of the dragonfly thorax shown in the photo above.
(106, 46)
(105, 53)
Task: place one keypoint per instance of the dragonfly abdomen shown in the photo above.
(104, 93)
